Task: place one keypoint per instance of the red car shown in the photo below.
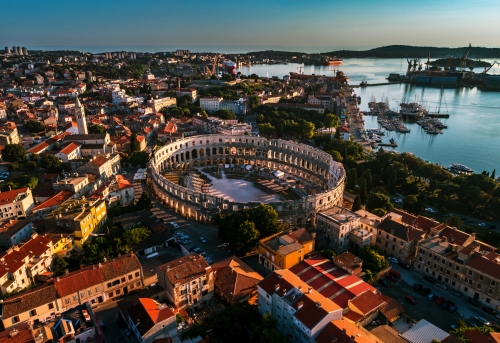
(411, 300)
(440, 300)
(391, 277)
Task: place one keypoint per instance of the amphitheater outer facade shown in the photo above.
(300, 160)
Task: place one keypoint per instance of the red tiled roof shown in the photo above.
(9, 196)
(70, 148)
(146, 313)
(454, 236)
(367, 302)
(36, 246)
(77, 280)
(483, 264)
(184, 268)
(122, 182)
(343, 330)
(55, 200)
(24, 334)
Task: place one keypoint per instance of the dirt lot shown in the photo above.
(424, 309)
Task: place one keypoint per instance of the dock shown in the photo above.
(392, 145)
(378, 84)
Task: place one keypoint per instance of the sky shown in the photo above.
(241, 26)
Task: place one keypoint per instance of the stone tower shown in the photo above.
(80, 117)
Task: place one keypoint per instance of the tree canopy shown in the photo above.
(14, 153)
(51, 163)
(34, 126)
(224, 113)
(140, 158)
(96, 129)
(378, 200)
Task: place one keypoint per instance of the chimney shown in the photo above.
(344, 331)
(66, 271)
(300, 304)
(309, 290)
(277, 287)
(100, 265)
(318, 304)
(353, 338)
(58, 279)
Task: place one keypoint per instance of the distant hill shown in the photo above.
(403, 51)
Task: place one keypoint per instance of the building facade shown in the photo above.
(210, 104)
(335, 224)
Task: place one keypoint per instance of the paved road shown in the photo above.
(464, 309)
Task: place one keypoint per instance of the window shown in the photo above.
(138, 284)
(98, 289)
(449, 264)
(492, 283)
(32, 313)
(75, 297)
(204, 282)
(481, 277)
(478, 286)
(136, 274)
(194, 291)
(130, 277)
(453, 283)
(488, 300)
(110, 294)
(118, 291)
(466, 289)
(469, 272)
(490, 291)
(456, 267)
(447, 272)
(15, 319)
(51, 305)
(89, 291)
(455, 276)
(123, 279)
(68, 300)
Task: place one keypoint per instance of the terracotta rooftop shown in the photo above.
(21, 333)
(183, 269)
(10, 196)
(402, 231)
(343, 330)
(122, 182)
(484, 265)
(388, 334)
(366, 302)
(55, 200)
(454, 236)
(68, 149)
(28, 300)
(234, 278)
(36, 246)
(11, 227)
(147, 313)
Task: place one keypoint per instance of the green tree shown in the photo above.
(367, 175)
(266, 129)
(266, 332)
(253, 102)
(134, 236)
(412, 204)
(352, 179)
(14, 153)
(224, 113)
(448, 188)
(245, 238)
(144, 202)
(331, 121)
(391, 186)
(61, 265)
(356, 206)
(363, 194)
(328, 253)
(266, 220)
(307, 129)
(336, 155)
(31, 165)
(51, 163)
(379, 212)
(135, 146)
(372, 260)
(378, 200)
(140, 158)
(454, 221)
(96, 129)
(33, 126)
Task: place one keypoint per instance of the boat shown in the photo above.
(363, 83)
(460, 168)
(230, 66)
(376, 131)
(329, 61)
(393, 142)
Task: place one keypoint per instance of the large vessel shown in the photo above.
(329, 61)
(460, 168)
(230, 66)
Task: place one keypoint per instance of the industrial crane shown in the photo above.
(463, 60)
(300, 69)
(211, 72)
(487, 69)
(472, 65)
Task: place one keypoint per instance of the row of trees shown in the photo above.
(243, 229)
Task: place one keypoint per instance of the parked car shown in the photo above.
(488, 310)
(452, 308)
(482, 224)
(391, 277)
(430, 279)
(411, 300)
(393, 259)
(482, 320)
(470, 323)
(395, 273)
(175, 226)
(456, 293)
(425, 291)
(492, 227)
(441, 285)
(439, 300)
(430, 296)
(417, 287)
(202, 239)
(472, 302)
(127, 332)
(445, 305)
(405, 265)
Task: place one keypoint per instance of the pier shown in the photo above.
(377, 84)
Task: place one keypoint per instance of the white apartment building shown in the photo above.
(16, 204)
(335, 224)
(210, 104)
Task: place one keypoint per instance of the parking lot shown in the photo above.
(428, 309)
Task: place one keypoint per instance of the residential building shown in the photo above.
(16, 204)
(429, 225)
(331, 280)
(149, 320)
(50, 204)
(76, 325)
(122, 191)
(62, 242)
(103, 165)
(238, 107)
(187, 281)
(93, 144)
(82, 217)
(77, 184)
(349, 262)
(300, 311)
(344, 331)
(477, 336)
(359, 238)
(13, 232)
(345, 133)
(72, 151)
(396, 239)
(387, 334)
(462, 263)
(235, 281)
(9, 136)
(158, 104)
(335, 224)
(286, 249)
(19, 333)
(210, 104)
(189, 92)
(95, 284)
(21, 264)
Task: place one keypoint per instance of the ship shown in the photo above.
(460, 169)
(328, 61)
(229, 66)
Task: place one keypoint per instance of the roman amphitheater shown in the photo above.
(201, 175)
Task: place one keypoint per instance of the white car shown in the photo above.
(481, 224)
(441, 285)
(393, 259)
(482, 320)
(202, 239)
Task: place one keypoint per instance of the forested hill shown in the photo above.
(403, 51)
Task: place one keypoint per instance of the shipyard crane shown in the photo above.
(415, 63)
(410, 63)
(487, 69)
(472, 65)
(211, 72)
(300, 69)
(463, 60)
